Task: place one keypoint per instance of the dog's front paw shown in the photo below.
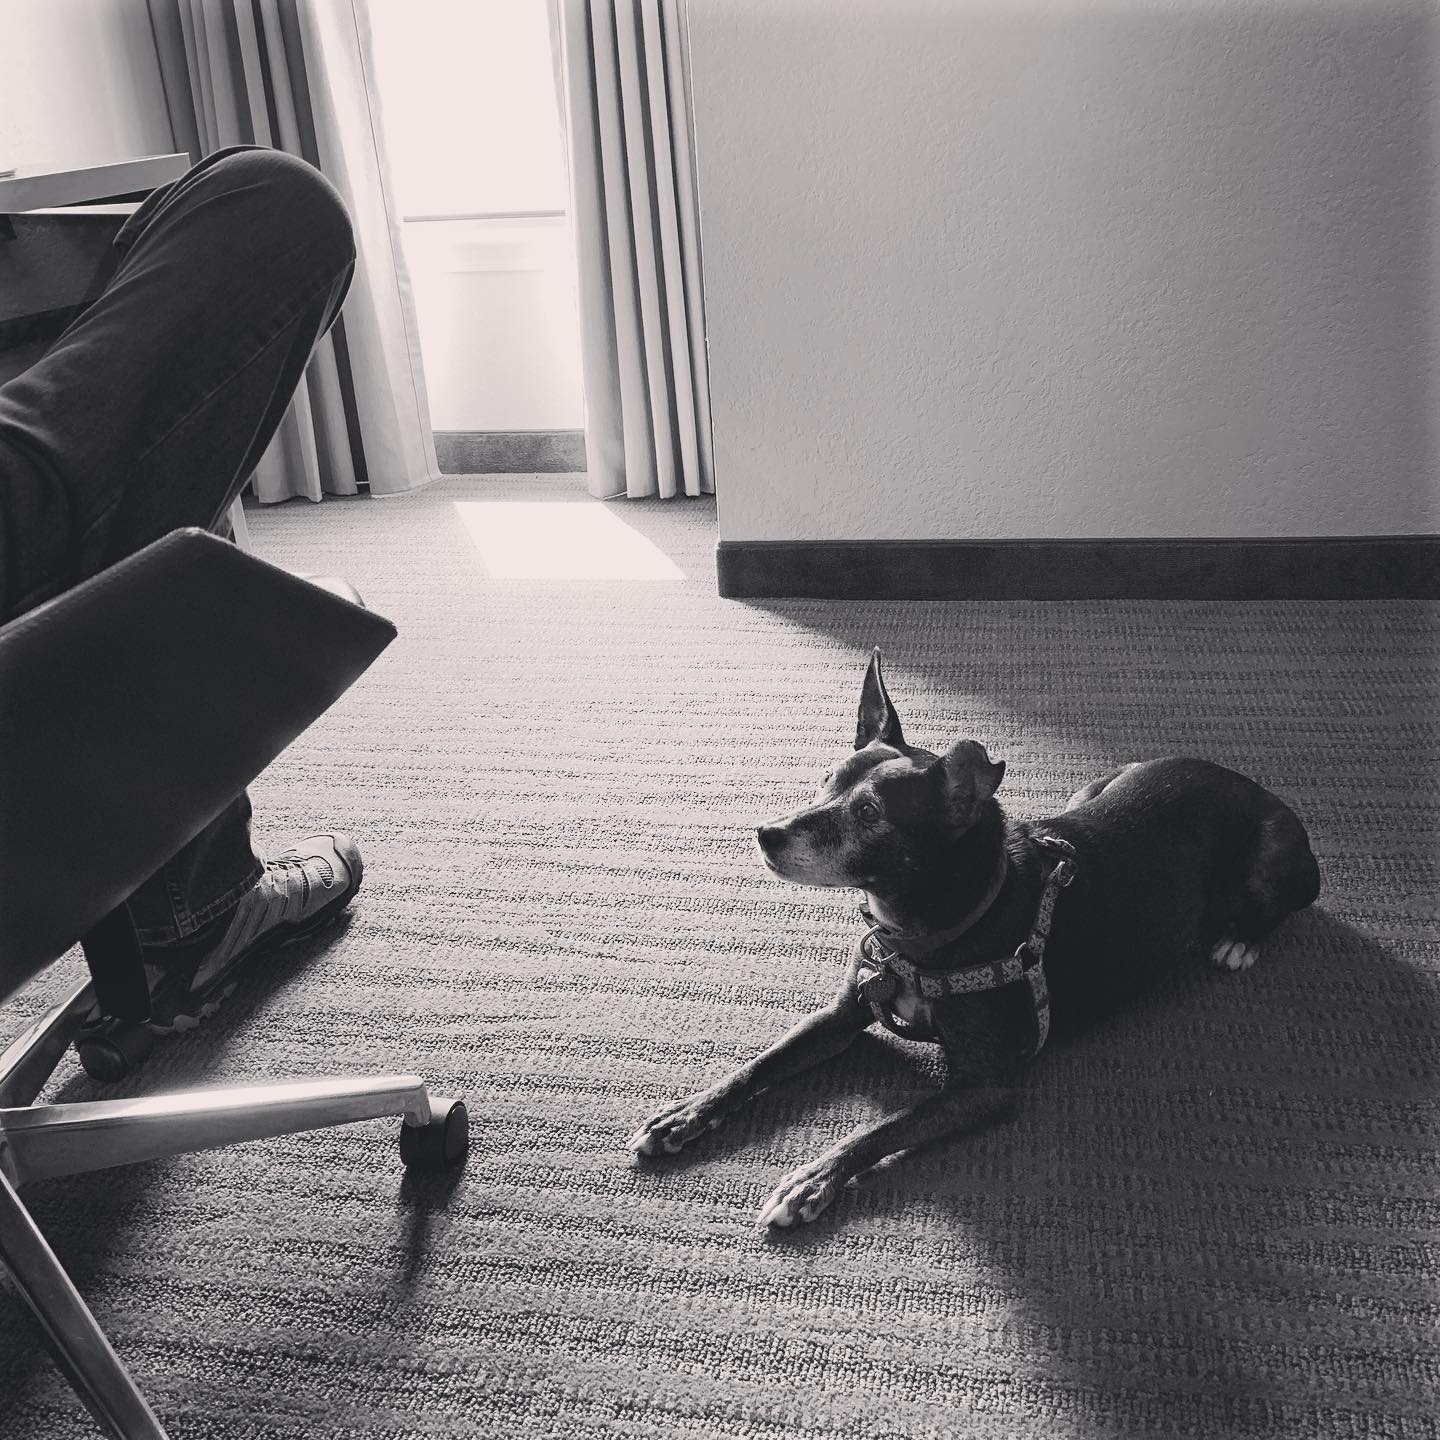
(677, 1124)
(802, 1195)
(1230, 954)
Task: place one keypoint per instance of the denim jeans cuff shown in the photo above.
(188, 921)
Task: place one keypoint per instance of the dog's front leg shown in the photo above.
(805, 1192)
(816, 1038)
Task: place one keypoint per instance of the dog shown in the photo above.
(1143, 867)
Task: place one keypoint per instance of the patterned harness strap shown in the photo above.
(889, 968)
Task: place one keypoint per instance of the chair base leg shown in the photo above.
(45, 1141)
(30, 1060)
(76, 1339)
(38, 1141)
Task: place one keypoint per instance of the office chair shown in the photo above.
(133, 708)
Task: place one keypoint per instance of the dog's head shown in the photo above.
(885, 810)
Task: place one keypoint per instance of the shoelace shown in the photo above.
(302, 863)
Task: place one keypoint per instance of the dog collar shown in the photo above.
(915, 943)
(889, 967)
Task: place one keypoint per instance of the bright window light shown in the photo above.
(561, 540)
(468, 102)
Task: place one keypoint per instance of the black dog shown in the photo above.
(1142, 866)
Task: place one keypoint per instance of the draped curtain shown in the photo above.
(297, 75)
(625, 88)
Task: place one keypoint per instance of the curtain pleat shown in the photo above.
(637, 246)
(295, 75)
(687, 209)
(672, 277)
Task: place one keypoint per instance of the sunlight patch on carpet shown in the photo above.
(545, 540)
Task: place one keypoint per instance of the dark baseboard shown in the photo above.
(1324, 568)
(510, 452)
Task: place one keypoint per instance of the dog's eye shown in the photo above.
(868, 811)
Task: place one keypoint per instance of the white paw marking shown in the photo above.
(674, 1125)
(800, 1196)
(1234, 955)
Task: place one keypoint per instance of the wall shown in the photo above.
(79, 83)
(1059, 269)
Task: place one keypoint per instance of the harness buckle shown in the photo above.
(878, 989)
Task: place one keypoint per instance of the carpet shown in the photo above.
(1215, 1216)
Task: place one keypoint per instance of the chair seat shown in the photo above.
(336, 586)
(135, 707)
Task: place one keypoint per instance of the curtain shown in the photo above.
(625, 85)
(297, 75)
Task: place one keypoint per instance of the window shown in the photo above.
(477, 153)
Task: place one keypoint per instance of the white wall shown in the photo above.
(1060, 268)
(79, 83)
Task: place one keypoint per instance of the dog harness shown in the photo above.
(887, 957)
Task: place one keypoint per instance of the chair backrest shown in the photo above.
(134, 707)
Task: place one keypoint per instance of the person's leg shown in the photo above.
(153, 408)
(151, 411)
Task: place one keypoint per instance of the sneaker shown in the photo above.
(303, 890)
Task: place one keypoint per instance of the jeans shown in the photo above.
(152, 409)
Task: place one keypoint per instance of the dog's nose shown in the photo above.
(771, 838)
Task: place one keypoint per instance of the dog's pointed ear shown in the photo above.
(969, 777)
(878, 720)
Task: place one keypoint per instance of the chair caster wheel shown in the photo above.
(443, 1143)
(112, 1052)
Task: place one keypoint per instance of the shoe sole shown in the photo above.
(280, 938)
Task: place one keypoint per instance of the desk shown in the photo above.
(56, 225)
(41, 187)
(53, 239)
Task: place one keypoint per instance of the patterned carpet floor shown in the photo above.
(1216, 1216)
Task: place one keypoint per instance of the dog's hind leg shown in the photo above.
(816, 1038)
(1090, 791)
(1280, 876)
